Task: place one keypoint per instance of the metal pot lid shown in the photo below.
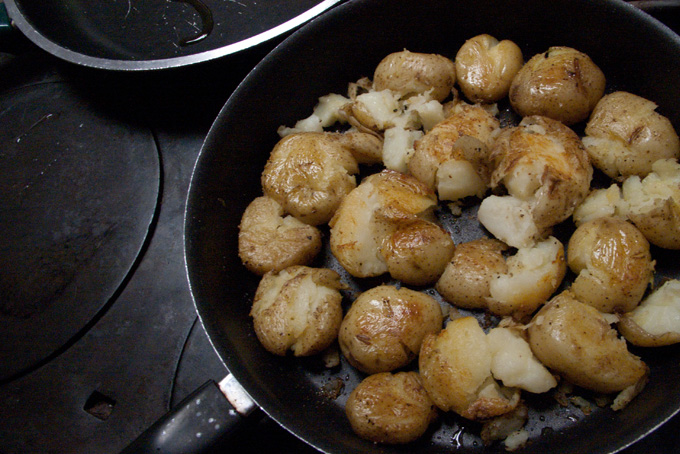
(137, 35)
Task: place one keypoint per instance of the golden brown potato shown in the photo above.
(309, 174)
(412, 73)
(486, 67)
(546, 172)
(385, 326)
(653, 203)
(390, 408)
(417, 252)
(613, 264)
(452, 157)
(576, 341)
(625, 135)
(371, 213)
(561, 83)
(455, 366)
(298, 308)
(270, 241)
(465, 281)
(656, 321)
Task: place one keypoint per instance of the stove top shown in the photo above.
(99, 333)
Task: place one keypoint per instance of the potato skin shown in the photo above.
(298, 308)
(390, 408)
(576, 341)
(385, 326)
(561, 83)
(486, 67)
(268, 241)
(465, 281)
(625, 135)
(418, 252)
(613, 263)
(309, 174)
(413, 73)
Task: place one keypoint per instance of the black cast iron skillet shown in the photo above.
(636, 53)
(133, 35)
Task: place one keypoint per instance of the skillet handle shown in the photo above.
(199, 422)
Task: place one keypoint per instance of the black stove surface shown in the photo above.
(101, 355)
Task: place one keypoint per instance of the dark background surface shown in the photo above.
(140, 349)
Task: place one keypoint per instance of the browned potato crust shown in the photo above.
(268, 241)
(576, 341)
(418, 252)
(561, 83)
(486, 67)
(385, 326)
(412, 73)
(387, 408)
(309, 174)
(613, 263)
(465, 281)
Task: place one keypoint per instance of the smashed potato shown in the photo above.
(467, 277)
(371, 213)
(613, 263)
(270, 241)
(479, 276)
(452, 158)
(561, 83)
(455, 366)
(298, 309)
(385, 326)
(390, 408)
(413, 73)
(575, 340)
(625, 136)
(546, 172)
(417, 252)
(656, 321)
(653, 203)
(309, 174)
(486, 67)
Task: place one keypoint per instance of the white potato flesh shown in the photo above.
(485, 67)
(533, 275)
(653, 203)
(398, 147)
(466, 135)
(385, 326)
(457, 179)
(625, 135)
(576, 341)
(390, 408)
(613, 264)
(270, 241)
(309, 174)
(600, 203)
(514, 363)
(370, 214)
(413, 73)
(656, 321)
(327, 112)
(455, 366)
(298, 309)
(547, 173)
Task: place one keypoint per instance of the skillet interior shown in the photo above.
(636, 54)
